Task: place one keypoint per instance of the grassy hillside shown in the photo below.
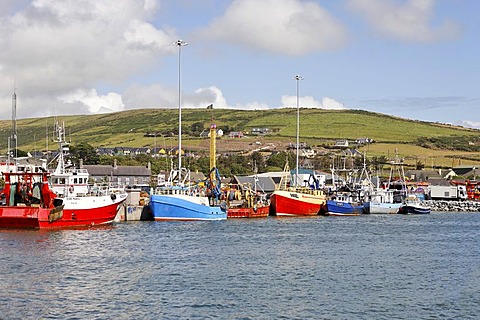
(318, 127)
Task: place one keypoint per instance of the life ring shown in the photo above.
(70, 189)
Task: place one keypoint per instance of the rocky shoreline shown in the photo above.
(444, 205)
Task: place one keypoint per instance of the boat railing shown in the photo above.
(306, 190)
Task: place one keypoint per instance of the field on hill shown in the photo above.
(319, 128)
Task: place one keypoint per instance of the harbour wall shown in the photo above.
(447, 205)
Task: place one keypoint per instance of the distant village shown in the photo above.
(135, 176)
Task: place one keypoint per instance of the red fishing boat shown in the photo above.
(247, 204)
(260, 211)
(247, 200)
(292, 198)
(29, 203)
(297, 202)
(34, 199)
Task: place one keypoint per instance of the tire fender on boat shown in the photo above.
(70, 189)
(113, 196)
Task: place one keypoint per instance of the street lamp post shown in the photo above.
(297, 78)
(180, 44)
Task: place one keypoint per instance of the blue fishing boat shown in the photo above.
(180, 200)
(185, 202)
(183, 207)
(343, 205)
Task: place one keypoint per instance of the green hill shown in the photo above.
(318, 128)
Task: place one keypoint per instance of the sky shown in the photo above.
(416, 59)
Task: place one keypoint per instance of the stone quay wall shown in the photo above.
(445, 205)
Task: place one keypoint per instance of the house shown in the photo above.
(265, 183)
(259, 131)
(423, 176)
(465, 171)
(364, 140)
(236, 134)
(301, 145)
(341, 143)
(276, 176)
(128, 151)
(307, 153)
(105, 151)
(206, 133)
(115, 175)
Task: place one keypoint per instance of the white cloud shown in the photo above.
(468, 124)
(290, 27)
(407, 21)
(112, 102)
(52, 48)
(310, 102)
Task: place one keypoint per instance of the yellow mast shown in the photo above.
(213, 149)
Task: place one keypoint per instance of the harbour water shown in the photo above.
(365, 267)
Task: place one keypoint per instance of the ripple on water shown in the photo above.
(381, 267)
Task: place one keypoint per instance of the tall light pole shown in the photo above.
(179, 43)
(297, 78)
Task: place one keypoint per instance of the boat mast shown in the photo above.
(179, 43)
(63, 148)
(213, 146)
(297, 78)
(14, 121)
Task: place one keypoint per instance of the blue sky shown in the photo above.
(416, 59)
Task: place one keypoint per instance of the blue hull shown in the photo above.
(164, 207)
(343, 208)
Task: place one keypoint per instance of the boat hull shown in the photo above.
(414, 209)
(258, 212)
(381, 208)
(184, 208)
(286, 203)
(73, 213)
(340, 208)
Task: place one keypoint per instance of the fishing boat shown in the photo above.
(343, 204)
(297, 202)
(413, 205)
(246, 202)
(31, 204)
(183, 207)
(292, 198)
(87, 204)
(28, 202)
(179, 200)
(387, 199)
(347, 193)
(381, 202)
(38, 199)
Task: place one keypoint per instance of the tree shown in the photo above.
(196, 128)
(257, 161)
(419, 165)
(85, 152)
